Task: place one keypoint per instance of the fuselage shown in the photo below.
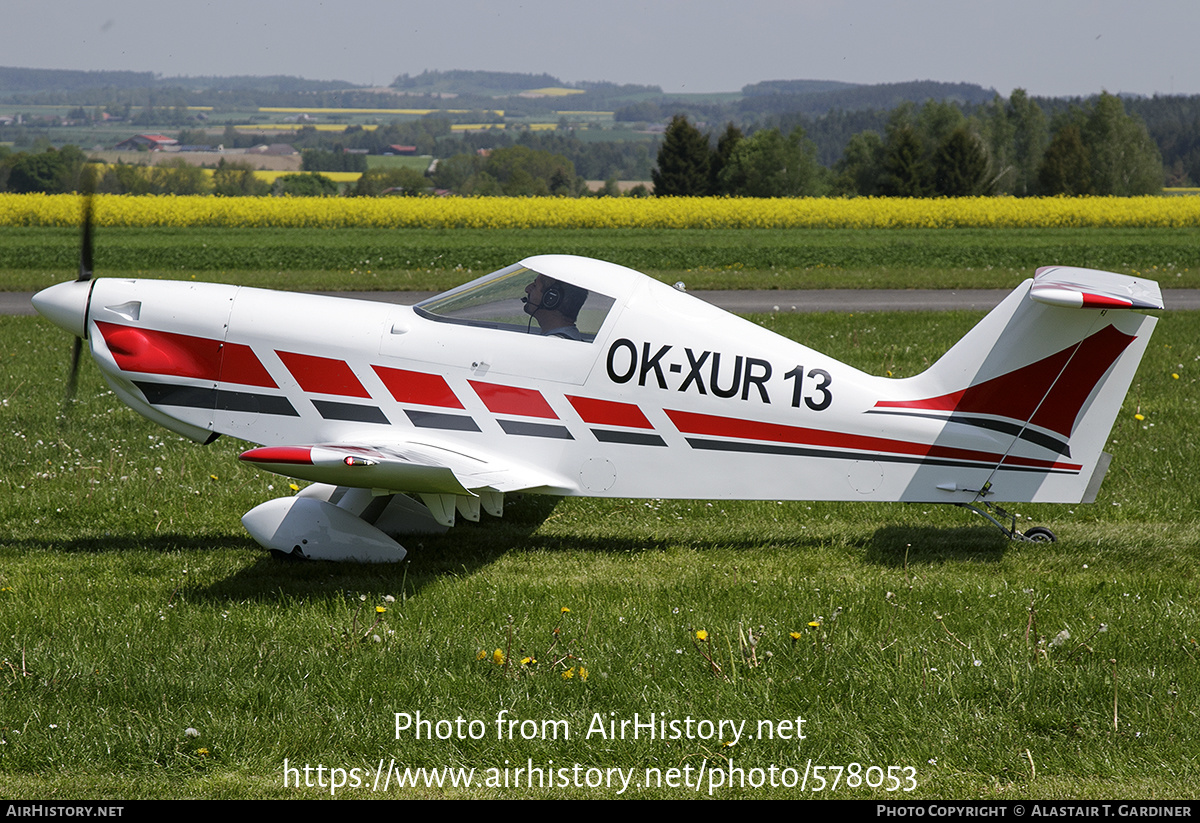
(668, 397)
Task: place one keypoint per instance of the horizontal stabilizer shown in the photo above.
(1076, 288)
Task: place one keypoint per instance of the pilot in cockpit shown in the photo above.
(555, 306)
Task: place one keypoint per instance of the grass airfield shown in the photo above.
(149, 648)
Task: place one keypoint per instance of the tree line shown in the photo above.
(1009, 147)
(935, 150)
(66, 170)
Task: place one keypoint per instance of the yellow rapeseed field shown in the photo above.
(608, 212)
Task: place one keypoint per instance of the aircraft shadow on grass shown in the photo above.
(471, 547)
(899, 546)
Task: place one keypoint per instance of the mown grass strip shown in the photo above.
(719, 258)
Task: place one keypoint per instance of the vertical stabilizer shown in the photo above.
(1044, 376)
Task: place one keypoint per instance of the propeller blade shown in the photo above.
(73, 376)
(86, 267)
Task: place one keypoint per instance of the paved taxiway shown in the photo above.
(745, 302)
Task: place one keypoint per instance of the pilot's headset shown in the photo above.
(552, 297)
(565, 298)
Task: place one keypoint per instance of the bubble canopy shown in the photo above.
(498, 301)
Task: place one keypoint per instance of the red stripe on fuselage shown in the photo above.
(501, 399)
(609, 413)
(711, 425)
(162, 352)
(418, 387)
(322, 375)
(1064, 379)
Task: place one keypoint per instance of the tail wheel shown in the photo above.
(1040, 534)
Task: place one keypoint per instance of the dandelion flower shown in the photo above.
(380, 610)
(701, 635)
(583, 674)
(796, 635)
(568, 674)
(498, 657)
(528, 661)
(564, 610)
(1139, 417)
(814, 624)
(481, 655)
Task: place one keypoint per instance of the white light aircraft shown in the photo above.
(569, 376)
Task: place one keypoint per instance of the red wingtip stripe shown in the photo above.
(1102, 301)
(296, 455)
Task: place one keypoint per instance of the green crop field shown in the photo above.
(434, 259)
(149, 648)
(393, 161)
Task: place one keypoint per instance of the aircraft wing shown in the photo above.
(420, 468)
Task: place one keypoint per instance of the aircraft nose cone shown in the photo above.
(65, 305)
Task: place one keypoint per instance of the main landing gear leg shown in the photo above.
(1038, 534)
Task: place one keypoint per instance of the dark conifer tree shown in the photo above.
(725, 146)
(683, 161)
(905, 172)
(960, 166)
(1066, 165)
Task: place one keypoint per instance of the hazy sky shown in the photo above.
(1048, 47)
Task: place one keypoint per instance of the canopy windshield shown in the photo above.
(499, 301)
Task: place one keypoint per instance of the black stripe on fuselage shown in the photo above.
(353, 412)
(1038, 438)
(437, 420)
(799, 451)
(197, 397)
(527, 429)
(632, 438)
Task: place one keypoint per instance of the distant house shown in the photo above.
(146, 142)
(407, 151)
